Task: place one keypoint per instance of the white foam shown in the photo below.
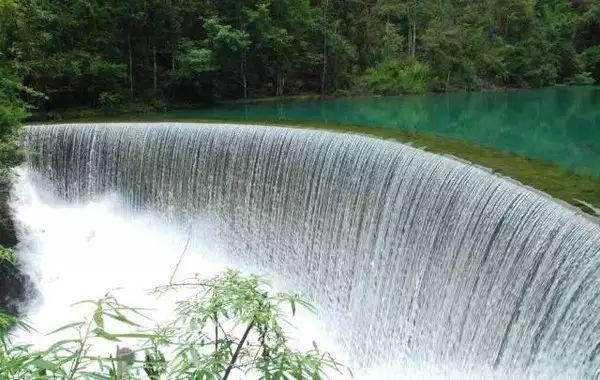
(75, 253)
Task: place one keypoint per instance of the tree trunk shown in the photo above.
(244, 77)
(324, 71)
(154, 66)
(237, 351)
(280, 82)
(130, 65)
(409, 38)
(173, 54)
(414, 39)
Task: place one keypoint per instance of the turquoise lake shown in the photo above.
(559, 125)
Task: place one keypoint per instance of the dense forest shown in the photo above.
(112, 52)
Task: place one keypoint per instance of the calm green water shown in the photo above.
(559, 125)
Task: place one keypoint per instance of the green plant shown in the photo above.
(393, 77)
(6, 254)
(6, 322)
(12, 111)
(68, 358)
(590, 58)
(237, 327)
(230, 326)
(109, 99)
(582, 78)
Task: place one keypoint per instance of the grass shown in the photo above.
(551, 179)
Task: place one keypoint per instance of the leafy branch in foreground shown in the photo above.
(68, 358)
(232, 326)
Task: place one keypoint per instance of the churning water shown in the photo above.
(422, 266)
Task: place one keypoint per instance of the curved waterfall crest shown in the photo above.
(418, 259)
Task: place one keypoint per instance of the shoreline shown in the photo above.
(144, 108)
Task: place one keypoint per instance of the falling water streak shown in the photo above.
(422, 261)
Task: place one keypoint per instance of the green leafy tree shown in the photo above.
(139, 51)
(231, 47)
(12, 111)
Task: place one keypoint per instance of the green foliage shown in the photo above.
(237, 324)
(109, 99)
(6, 254)
(6, 322)
(12, 111)
(582, 78)
(224, 38)
(190, 51)
(394, 77)
(393, 44)
(591, 61)
(195, 60)
(68, 358)
(231, 326)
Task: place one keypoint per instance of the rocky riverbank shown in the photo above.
(14, 285)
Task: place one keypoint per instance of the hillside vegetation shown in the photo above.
(112, 52)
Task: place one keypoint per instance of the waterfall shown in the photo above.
(420, 260)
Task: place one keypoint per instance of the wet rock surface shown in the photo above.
(14, 284)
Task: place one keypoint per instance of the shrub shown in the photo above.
(396, 77)
(591, 60)
(12, 111)
(581, 78)
(6, 254)
(109, 99)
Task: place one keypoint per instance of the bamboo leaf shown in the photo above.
(66, 327)
(44, 364)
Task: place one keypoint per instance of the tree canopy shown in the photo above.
(106, 52)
